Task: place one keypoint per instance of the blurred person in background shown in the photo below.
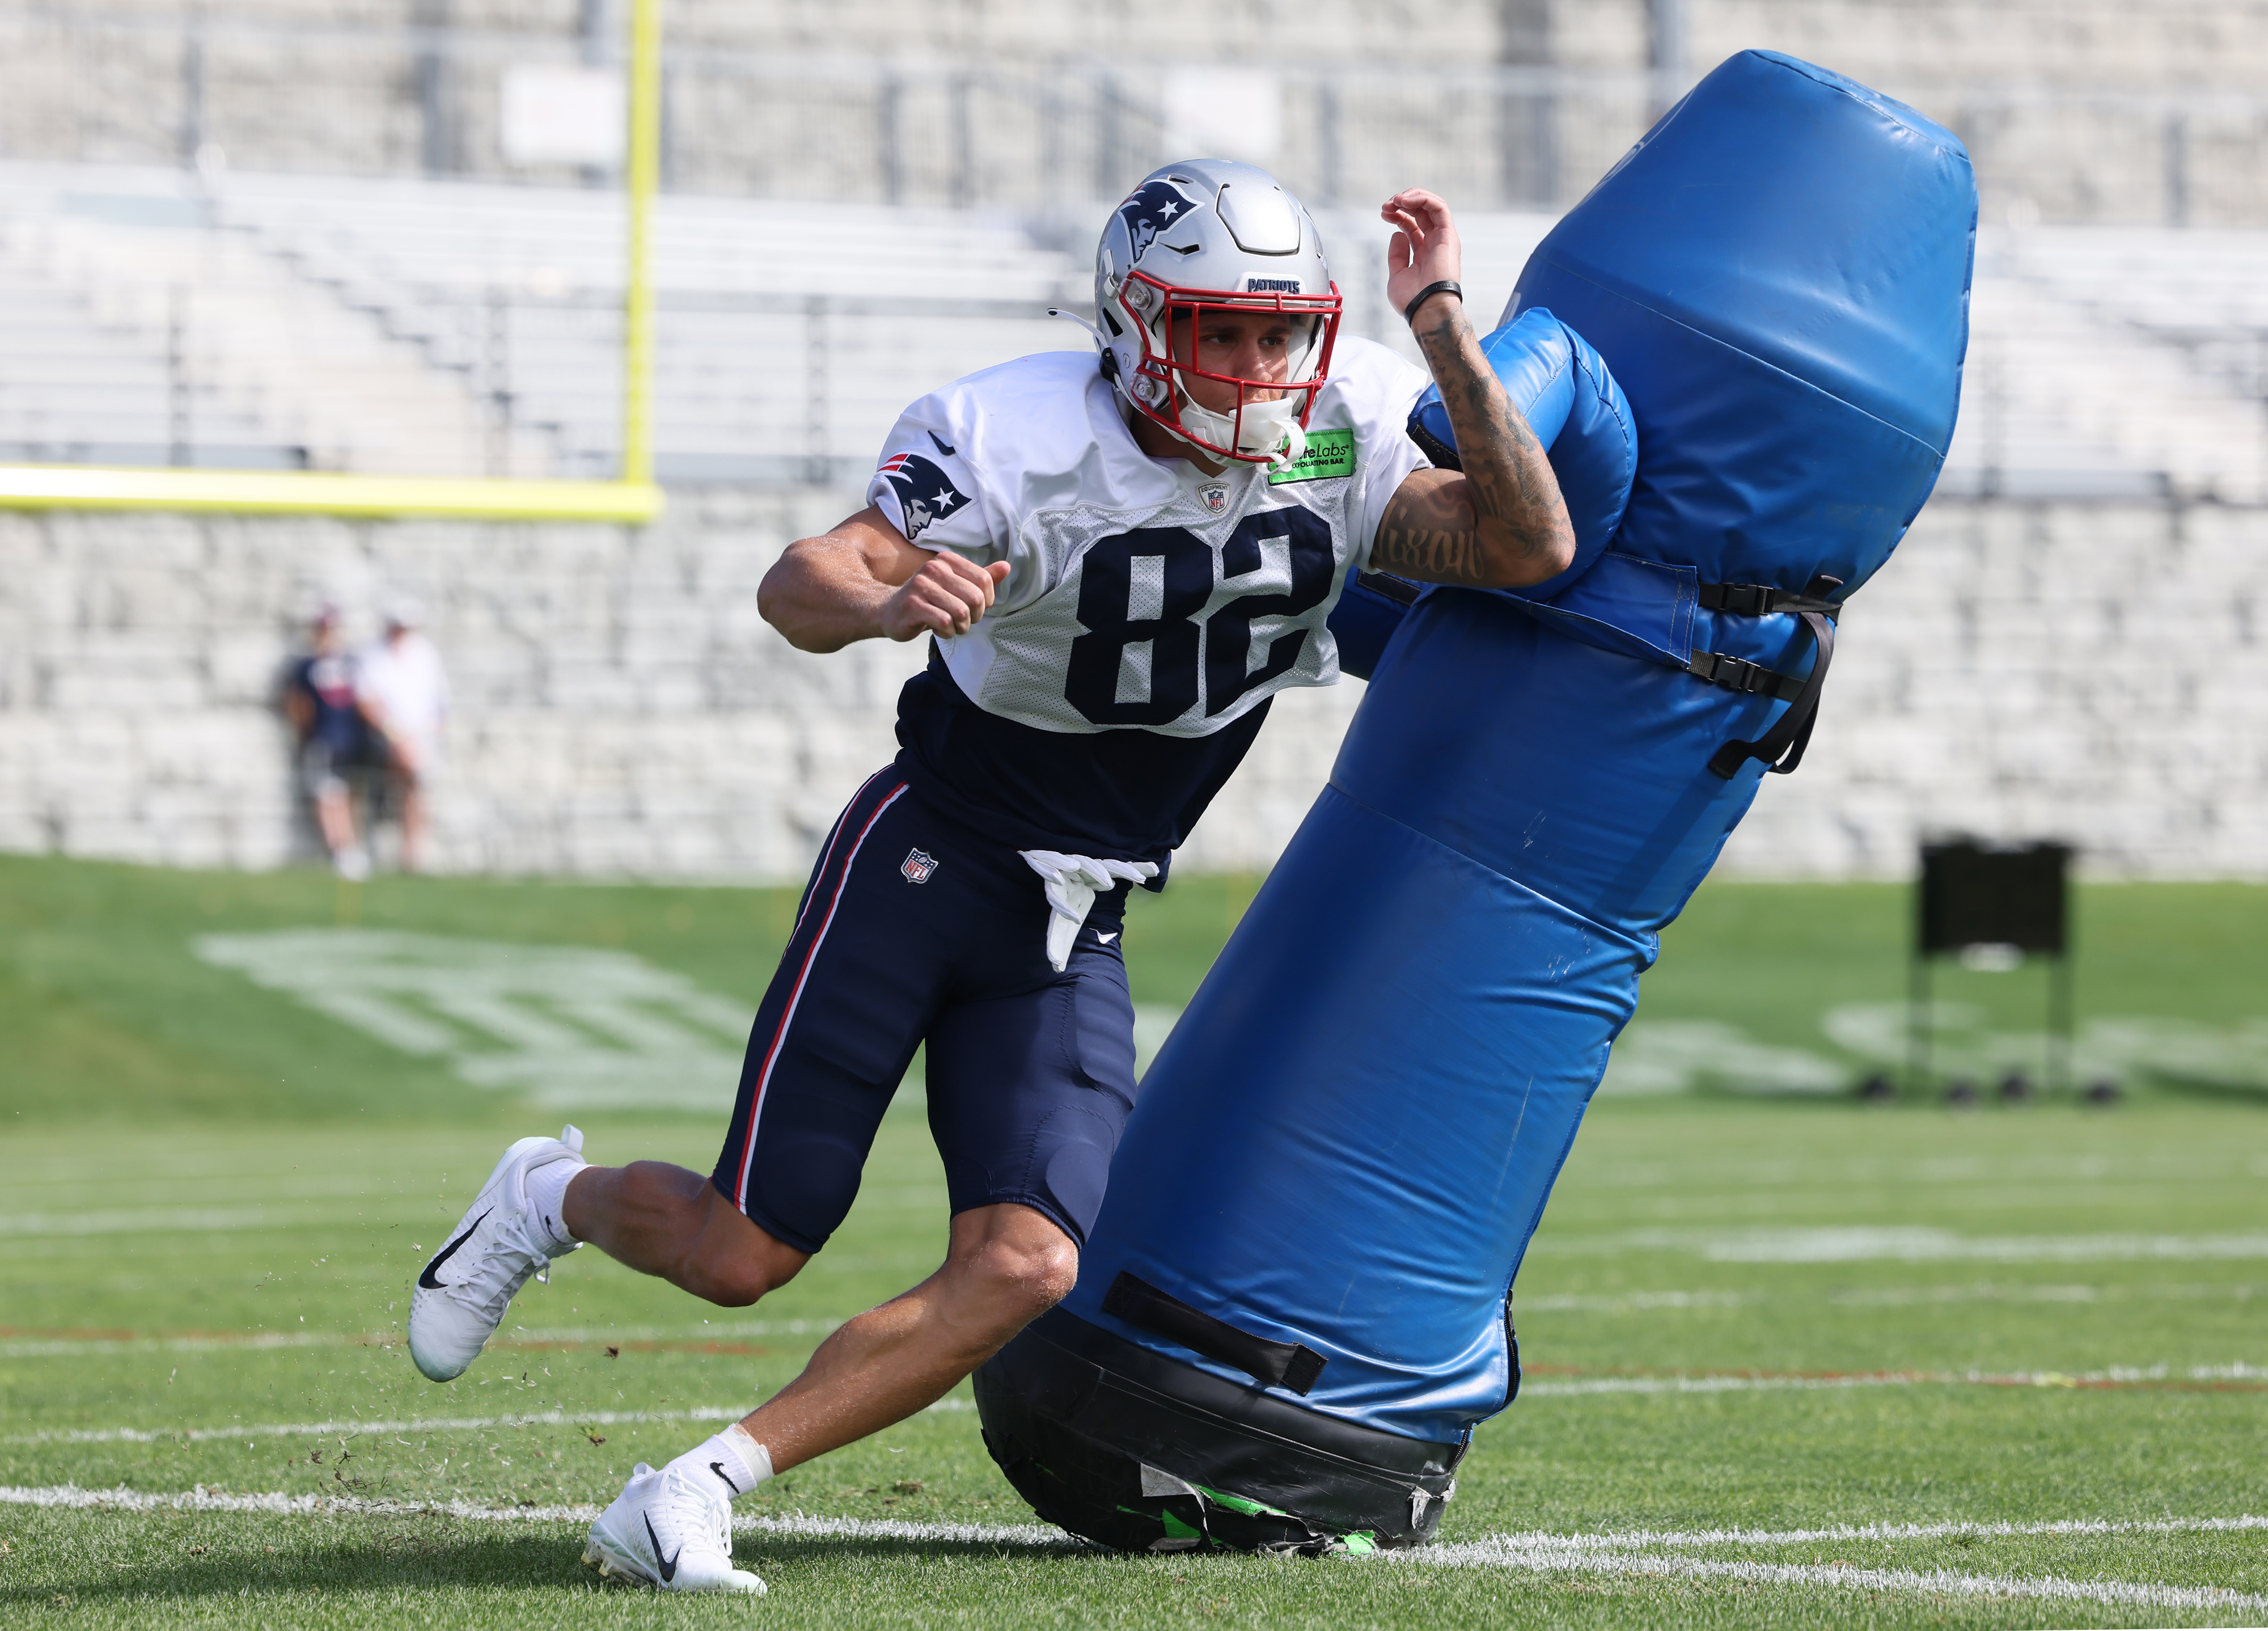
(404, 692)
(319, 700)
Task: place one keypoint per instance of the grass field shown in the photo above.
(1792, 1360)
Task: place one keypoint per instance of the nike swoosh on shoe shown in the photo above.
(426, 1279)
(667, 1564)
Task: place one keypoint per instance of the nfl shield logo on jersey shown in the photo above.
(918, 866)
(1214, 498)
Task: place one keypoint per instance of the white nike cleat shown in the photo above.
(668, 1531)
(458, 1301)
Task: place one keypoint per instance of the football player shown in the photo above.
(1117, 567)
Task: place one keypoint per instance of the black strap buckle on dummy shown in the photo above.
(1293, 1365)
(1780, 748)
(1401, 591)
(1762, 600)
(1751, 679)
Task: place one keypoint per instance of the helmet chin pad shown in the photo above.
(1269, 430)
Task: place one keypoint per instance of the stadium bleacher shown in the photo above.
(146, 327)
(787, 332)
(2115, 363)
(398, 325)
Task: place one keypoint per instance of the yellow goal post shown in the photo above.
(631, 498)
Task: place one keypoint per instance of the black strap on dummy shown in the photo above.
(1780, 748)
(1751, 679)
(1762, 600)
(1293, 1365)
(1401, 591)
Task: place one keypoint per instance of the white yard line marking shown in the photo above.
(71, 1497)
(1949, 1530)
(1917, 1244)
(76, 1346)
(175, 1221)
(1538, 1553)
(1502, 1552)
(81, 1347)
(1886, 1296)
(1532, 1388)
(350, 1428)
(2117, 1377)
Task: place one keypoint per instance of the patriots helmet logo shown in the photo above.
(926, 494)
(1154, 206)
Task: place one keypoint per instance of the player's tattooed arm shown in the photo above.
(862, 580)
(1501, 523)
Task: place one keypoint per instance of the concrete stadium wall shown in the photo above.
(620, 709)
(2095, 672)
(2078, 110)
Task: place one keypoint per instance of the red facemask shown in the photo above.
(1268, 412)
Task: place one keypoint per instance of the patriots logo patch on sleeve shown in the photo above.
(1154, 206)
(926, 494)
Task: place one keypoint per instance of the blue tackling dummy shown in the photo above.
(1297, 1300)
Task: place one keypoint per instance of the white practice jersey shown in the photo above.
(1142, 592)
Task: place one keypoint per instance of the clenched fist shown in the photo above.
(945, 597)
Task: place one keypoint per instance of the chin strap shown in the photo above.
(1073, 317)
(1295, 448)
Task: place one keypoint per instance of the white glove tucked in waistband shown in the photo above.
(1073, 881)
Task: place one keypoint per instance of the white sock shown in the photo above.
(546, 1193)
(732, 1463)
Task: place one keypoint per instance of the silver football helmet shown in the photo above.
(1210, 235)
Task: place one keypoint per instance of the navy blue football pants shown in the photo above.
(914, 928)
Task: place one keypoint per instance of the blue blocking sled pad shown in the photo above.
(1744, 350)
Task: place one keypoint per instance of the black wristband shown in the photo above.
(1410, 312)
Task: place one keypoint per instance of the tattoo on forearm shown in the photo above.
(1432, 554)
(1516, 509)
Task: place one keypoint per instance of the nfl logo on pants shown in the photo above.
(918, 866)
